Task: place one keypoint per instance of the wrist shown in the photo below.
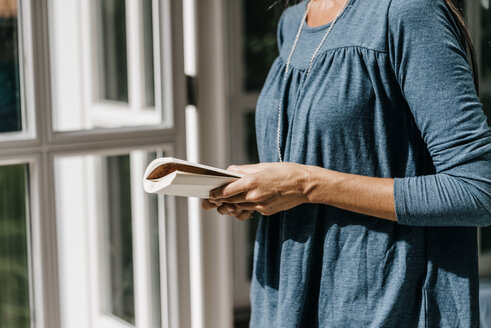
(310, 184)
(319, 185)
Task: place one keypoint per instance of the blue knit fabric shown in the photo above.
(390, 94)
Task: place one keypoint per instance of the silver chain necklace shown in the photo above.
(278, 146)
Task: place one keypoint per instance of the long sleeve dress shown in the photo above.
(390, 94)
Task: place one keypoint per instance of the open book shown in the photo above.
(173, 176)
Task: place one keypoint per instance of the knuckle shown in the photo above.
(253, 195)
(250, 181)
(235, 213)
(265, 210)
(260, 208)
(242, 217)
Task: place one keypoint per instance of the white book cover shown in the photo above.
(173, 176)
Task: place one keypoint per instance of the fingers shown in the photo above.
(230, 209)
(243, 212)
(227, 209)
(245, 215)
(246, 206)
(229, 190)
(239, 198)
(245, 169)
(206, 204)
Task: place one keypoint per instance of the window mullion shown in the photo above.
(156, 57)
(141, 244)
(44, 199)
(134, 49)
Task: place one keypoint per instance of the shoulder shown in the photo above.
(421, 7)
(419, 12)
(289, 21)
(292, 14)
(423, 19)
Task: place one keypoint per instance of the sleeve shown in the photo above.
(435, 78)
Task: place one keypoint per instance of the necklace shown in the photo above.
(280, 105)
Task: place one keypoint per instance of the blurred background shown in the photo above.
(90, 92)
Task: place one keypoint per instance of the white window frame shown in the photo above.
(120, 113)
(241, 102)
(33, 226)
(41, 150)
(28, 130)
(94, 112)
(94, 233)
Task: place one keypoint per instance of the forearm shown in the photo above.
(362, 194)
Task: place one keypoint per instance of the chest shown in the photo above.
(341, 90)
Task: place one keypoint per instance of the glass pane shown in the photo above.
(96, 239)
(91, 66)
(14, 269)
(113, 66)
(148, 53)
(10, 103)
(260, 46)
(119, 238)
(486, 40)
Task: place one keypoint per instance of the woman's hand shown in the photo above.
(229, 209)
(272, 187)
(266, 187)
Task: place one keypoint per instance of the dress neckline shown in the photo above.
(310, 29)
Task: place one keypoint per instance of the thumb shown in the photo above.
(244, 169)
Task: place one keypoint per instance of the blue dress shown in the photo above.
(390, 94)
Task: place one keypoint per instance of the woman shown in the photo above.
(375, 173)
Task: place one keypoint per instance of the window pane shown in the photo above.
(96, 81)
(10, 104)
(119, 238)
(113, 66)
(14, 269)
(148, 53)
(98, 234)
(260, 46)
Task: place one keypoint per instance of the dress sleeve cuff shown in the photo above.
(400, 186)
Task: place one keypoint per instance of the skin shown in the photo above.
(323, 11)
(273, 187)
